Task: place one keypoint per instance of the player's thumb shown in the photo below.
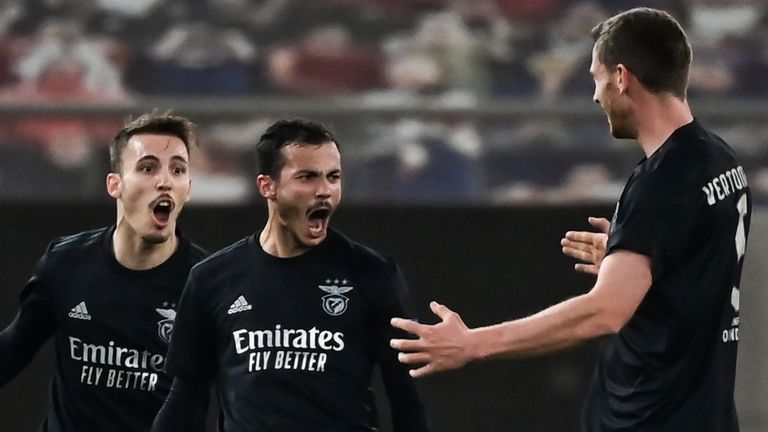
(440, 310)
(603, 224)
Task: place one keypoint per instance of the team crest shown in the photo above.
(165, 326)
(335, 303)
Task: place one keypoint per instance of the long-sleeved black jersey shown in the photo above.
(111, 326)
(292, 342)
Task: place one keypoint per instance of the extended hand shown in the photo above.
(588, 246)
(440, 347)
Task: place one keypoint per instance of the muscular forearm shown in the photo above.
(623, 281)
(557, 327)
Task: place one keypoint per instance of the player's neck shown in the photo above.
(278, 241)
(133, 252)
(658, 119)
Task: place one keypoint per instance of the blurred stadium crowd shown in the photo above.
(456, 53)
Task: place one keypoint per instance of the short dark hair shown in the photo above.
(269, 157)
(152, 123)
(651, 44)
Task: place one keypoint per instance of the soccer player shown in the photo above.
(291, 321)
(108, 296)
(667, 288)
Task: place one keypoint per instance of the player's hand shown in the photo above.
(586, 246)
(439, 347)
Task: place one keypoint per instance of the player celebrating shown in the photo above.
(108, 296)
(291, 321)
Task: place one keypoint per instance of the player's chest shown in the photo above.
(333, 296)
(123, 309)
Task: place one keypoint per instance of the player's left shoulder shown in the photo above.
(363, 256)
(197, 253)
(684, 167)
(188, 253)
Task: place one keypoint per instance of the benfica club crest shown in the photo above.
(334, 303)
(165, 326)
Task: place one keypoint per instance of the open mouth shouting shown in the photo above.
(318, 217)
(161, 210)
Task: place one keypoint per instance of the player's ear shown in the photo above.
(267, 186)
(622, 78)
(113, 185)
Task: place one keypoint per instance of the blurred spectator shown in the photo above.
(68, 141)
(197, 57)
(326, 62)
(759, 184)
(751, 69)
(410, 161)
(718, 30)
(67, 148)
(64, 40)
(715, 20)
(508, 39)
(441, 55)
(133, 8)
(408, 8)
(10, 11)
(218, 178)
(247, 14)
(561, 69)
(137, 24)
(528, 11)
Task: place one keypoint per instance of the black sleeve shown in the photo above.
(190, 352)
(408, 413)
(654, 219)
(33, 325)
(185, 407)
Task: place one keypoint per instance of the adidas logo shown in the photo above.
(80, 312)
(240, 305)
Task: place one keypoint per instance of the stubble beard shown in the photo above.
(155, 239)
(620, 127)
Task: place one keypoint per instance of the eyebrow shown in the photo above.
(153, 158)
(317, 172)
(147, 158)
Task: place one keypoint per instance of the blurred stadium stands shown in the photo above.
(433, 101)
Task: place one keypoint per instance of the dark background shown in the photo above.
(488, 263)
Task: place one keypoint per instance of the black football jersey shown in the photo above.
(111, 327)
(671, 368)
(291, 342)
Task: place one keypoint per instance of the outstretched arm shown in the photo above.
(588, 246)
(622, 283)
(185, 407)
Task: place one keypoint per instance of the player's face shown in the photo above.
(308, 191)
(153, 186)
(613, 102)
